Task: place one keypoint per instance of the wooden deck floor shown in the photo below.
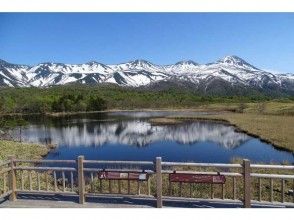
(59, 201)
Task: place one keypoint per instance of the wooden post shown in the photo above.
(47, 181)
(81, 180)
(12, 180)
(138, 187)
(211, 191)
(283, 190)
(272, 189)
(247, 183)
(158, 182)
(234, 188)
(259, 189)
(119, 186)
(149, 190)
(71, 181)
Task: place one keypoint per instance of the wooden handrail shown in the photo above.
(74, 178)
(118, 162)
(269, 166)
(274, 176)
(202, 164)
(6, 170)
(117, 170)
(203, 172)
(4, 163)
(47, 168)
(45, 161)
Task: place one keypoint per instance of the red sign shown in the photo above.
(196, 178)
(122, 176)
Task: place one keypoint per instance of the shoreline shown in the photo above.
(57, 114)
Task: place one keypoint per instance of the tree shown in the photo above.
(95, 103)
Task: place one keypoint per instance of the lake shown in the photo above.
(130, 136)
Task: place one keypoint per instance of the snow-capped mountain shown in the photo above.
(227, 74)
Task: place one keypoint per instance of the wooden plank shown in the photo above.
(276, 176)
(118, 170)
(22, 180)
(4, 182)
(30, 181)
(282, 190)
(129, 187)
(202, 172)
(149, 186)
(47, 181)
(92, 182)
(158, 167)
(293, 191)
(138, 187)
(223, 191)
(211, 191)
(63, 181)
(202, 164)
(38, 181)
(12, 180)
(110, 186)
(100, 185)
(169, 188)
(271, 190)
(234, 188)
(259, 189)
(119, 186)
(269, 166)
(247, 183)
(46, 168)
(118, 162)
(71, 181)
(81, 179)
(55, 181)
(46, 161)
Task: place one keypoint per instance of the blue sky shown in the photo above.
(265, 40)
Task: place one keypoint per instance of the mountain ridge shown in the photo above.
(226, 73)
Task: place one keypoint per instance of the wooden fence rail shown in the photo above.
(239, 182)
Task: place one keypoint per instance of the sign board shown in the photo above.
(122, 176)
(197, 178)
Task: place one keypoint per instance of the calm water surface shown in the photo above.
(130, 136)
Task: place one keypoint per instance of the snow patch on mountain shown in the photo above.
(231, 69)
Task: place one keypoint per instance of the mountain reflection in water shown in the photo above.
(130, 136)
(136, 133)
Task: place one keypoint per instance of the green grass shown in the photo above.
(21, 150)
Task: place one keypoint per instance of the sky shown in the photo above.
(265, 40)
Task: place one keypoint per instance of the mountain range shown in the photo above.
(229, 75)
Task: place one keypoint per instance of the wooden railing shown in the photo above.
(244, 183)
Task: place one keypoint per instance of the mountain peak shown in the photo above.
(93, 62)
(3, 62)
(140, 61)
(187, 62)
(235, 61)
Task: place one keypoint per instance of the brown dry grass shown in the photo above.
(275, 129)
